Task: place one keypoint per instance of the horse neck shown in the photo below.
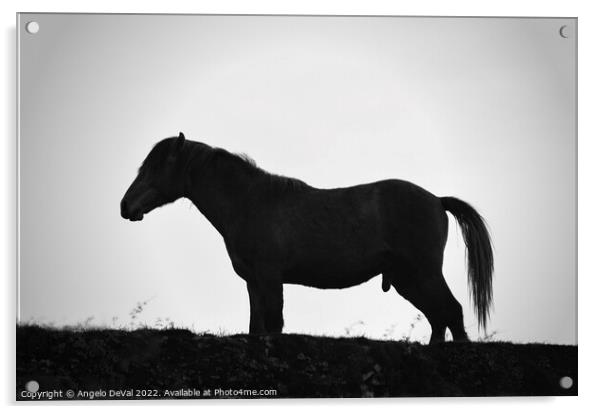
(219, 189)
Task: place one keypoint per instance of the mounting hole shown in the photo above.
(32, 386)
(32, 27)
(566, 382)
(565, 31)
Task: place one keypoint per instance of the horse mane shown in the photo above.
(220, 157)
(249, 165)
(246, 158)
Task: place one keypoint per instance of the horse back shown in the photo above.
(349, 231)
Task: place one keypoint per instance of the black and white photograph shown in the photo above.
(295, 206)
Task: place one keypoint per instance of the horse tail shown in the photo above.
(479, 255)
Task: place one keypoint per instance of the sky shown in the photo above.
(481, 109)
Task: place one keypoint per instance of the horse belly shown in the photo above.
(336, 270)
(335, 239)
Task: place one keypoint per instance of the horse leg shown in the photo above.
(274, 321)
(418, 294)
(257, 320)
(448, 307)
(266, 300)
(455, 316)
(431, 295)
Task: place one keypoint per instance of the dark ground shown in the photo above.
(149, 362)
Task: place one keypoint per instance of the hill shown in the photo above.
(175, 363)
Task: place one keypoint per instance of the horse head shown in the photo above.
(161, 179)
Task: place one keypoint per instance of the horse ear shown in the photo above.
(180, 141)
(176, 147)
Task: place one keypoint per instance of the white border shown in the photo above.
(590, 205)
(18, 172)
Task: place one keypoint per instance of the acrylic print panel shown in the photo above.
(413, 183)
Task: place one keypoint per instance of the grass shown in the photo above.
(161, 356)
(169, 359)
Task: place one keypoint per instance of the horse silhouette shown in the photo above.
(281, 230)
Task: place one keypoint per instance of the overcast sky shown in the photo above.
(481, 109)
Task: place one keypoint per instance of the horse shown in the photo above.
(281, 230)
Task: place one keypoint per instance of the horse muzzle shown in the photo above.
(129, 213)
